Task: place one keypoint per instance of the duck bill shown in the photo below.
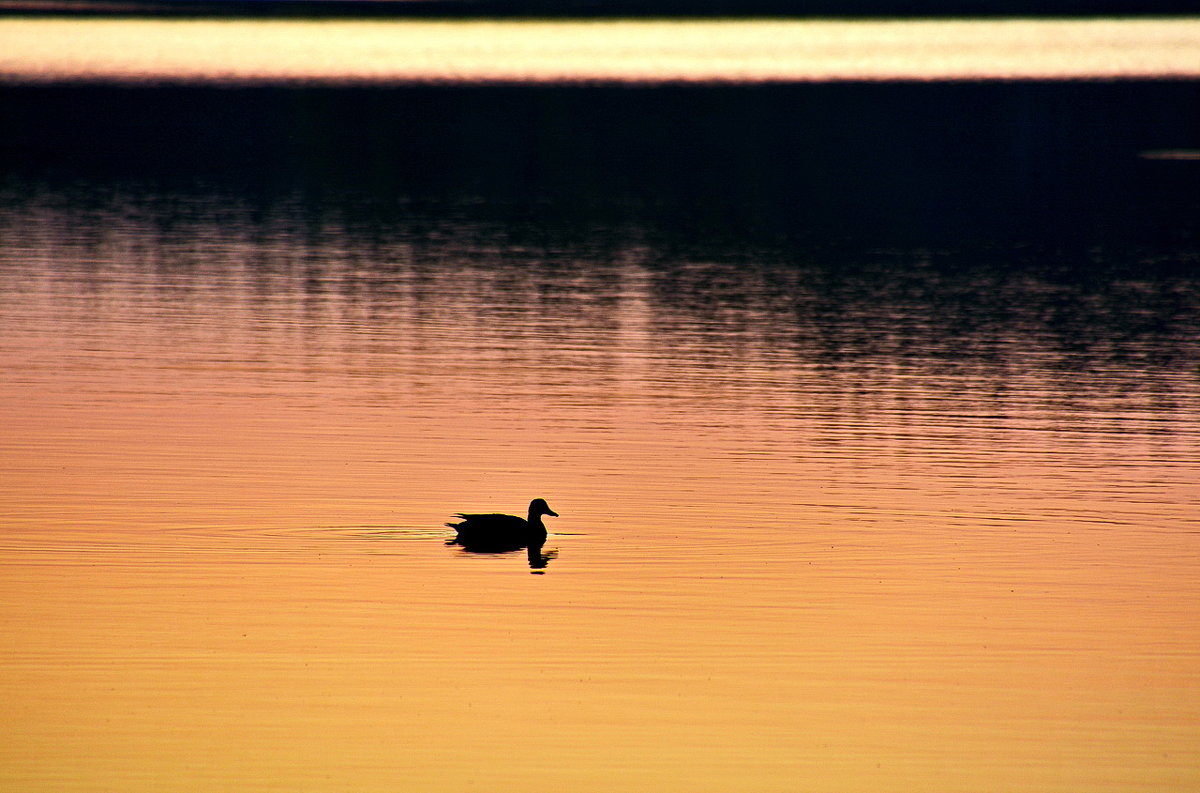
(551, 513)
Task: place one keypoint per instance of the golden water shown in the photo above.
(741, 51)
(861, 525)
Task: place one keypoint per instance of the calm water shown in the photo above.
(628, 51)
(871, 412)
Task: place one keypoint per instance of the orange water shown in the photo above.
(821, 528)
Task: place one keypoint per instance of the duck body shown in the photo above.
(496, 532)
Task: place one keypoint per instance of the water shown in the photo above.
(870, 412)
(628, 51)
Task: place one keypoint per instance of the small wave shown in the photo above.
(206, 540)
(1171, 154)
(355, 532)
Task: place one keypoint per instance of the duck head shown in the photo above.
(539, 507)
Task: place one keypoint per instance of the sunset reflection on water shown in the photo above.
(814, 526)
(869, 411)
(741, 51)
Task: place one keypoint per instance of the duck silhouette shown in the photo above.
(497, 533)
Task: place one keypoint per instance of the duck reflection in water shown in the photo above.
(496, 533)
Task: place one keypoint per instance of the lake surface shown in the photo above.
(599, 50)
(871, 413)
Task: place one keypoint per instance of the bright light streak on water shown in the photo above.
(596, 51)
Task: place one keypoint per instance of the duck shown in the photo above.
(497, 532)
